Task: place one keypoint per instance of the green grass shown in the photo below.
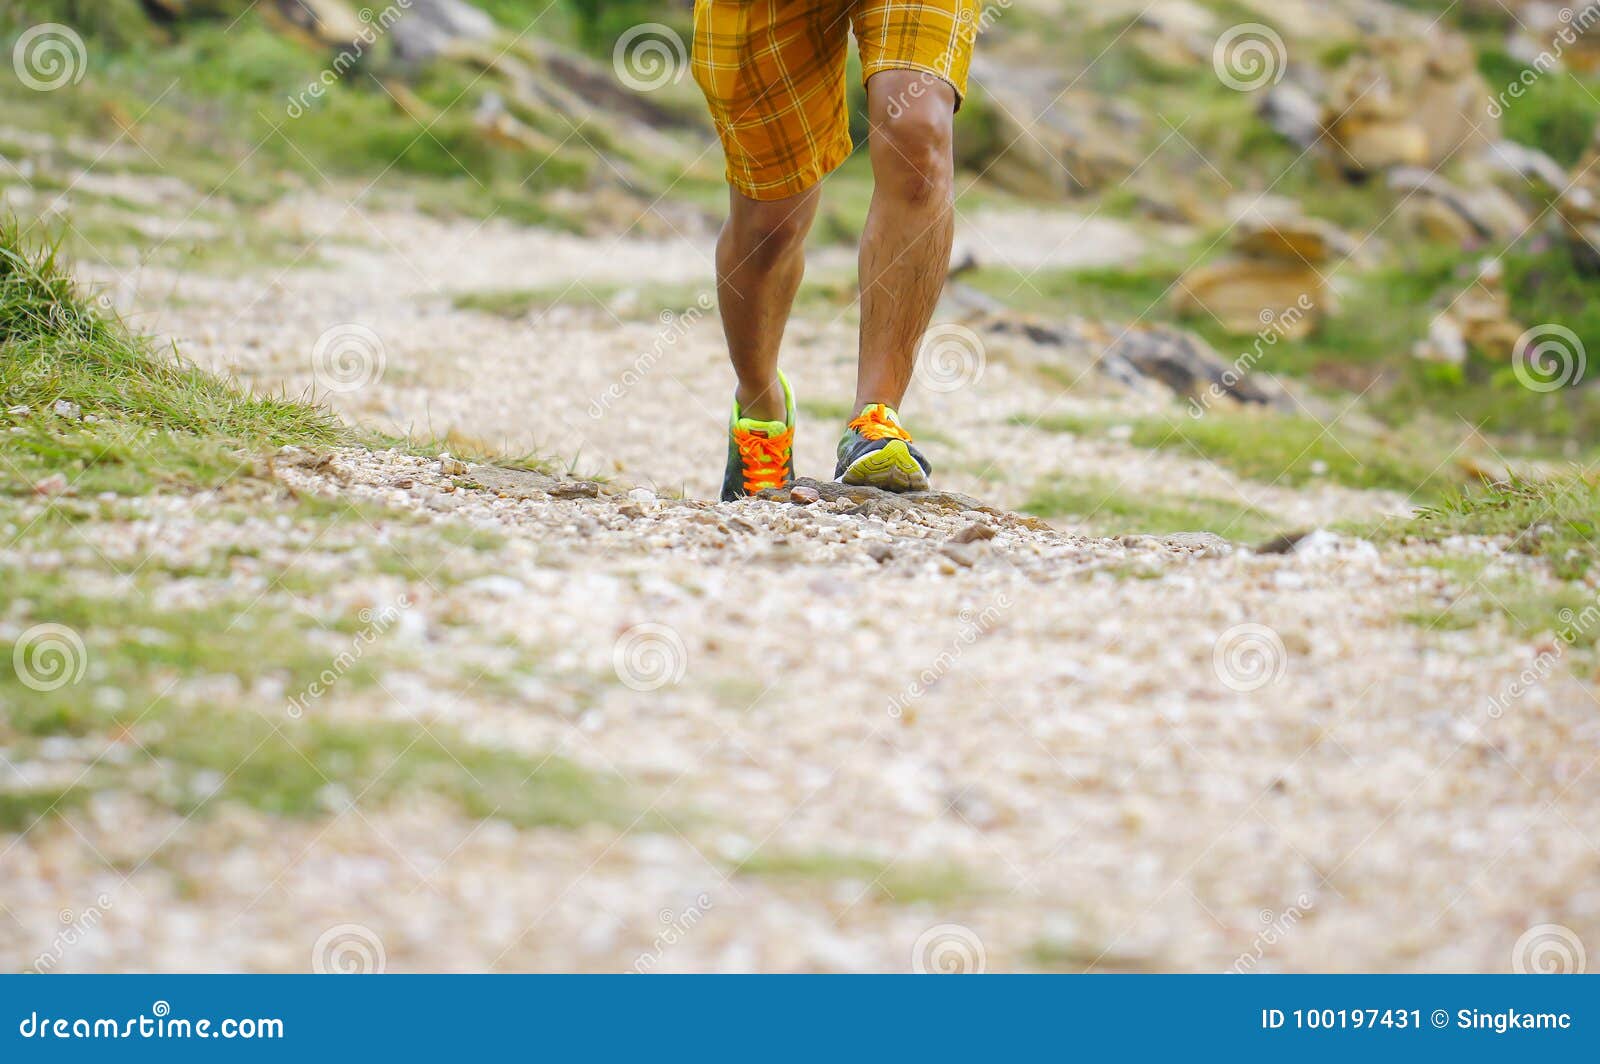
(1366, 346)
(1557, 520)
(199, 706)
(897, 882)
(1557, 112)
(1553, 520)
(1530, 607)
(1105, 509)
(636, 302)
(20, 809)
(158, 420)
(222, 99)
(190, 745)
(1282, 449)
(641, 302)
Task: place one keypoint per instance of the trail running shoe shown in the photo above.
(760, 453)
(877, 451)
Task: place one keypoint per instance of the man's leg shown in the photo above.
(760, 261)
(905, 247)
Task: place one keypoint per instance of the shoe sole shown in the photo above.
(890, 467)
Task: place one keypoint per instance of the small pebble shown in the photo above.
(54, 484)
(973, 533)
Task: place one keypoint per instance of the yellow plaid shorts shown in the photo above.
(773, 72)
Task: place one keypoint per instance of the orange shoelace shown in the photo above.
(875, 424)
(765, 458)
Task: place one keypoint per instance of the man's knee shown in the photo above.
(765, 232)
(915, 160)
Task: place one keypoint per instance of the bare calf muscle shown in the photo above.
(773, 78)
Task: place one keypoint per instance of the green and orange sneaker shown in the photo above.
(760, 453)
(877, 451)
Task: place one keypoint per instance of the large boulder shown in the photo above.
(1407, 101)
(1274, 278)
(1293, 112)
(326, 22)
(1477, 319)
(430, 28)
(1440, 210)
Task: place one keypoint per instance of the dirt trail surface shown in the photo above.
(611, 352)
(862, 734)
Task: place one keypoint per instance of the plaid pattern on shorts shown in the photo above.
(773, 72)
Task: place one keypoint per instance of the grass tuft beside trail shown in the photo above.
(194, 702)
(82, 395)
(1558, 520)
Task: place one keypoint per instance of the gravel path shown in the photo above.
(879, 737)
(607, 379)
